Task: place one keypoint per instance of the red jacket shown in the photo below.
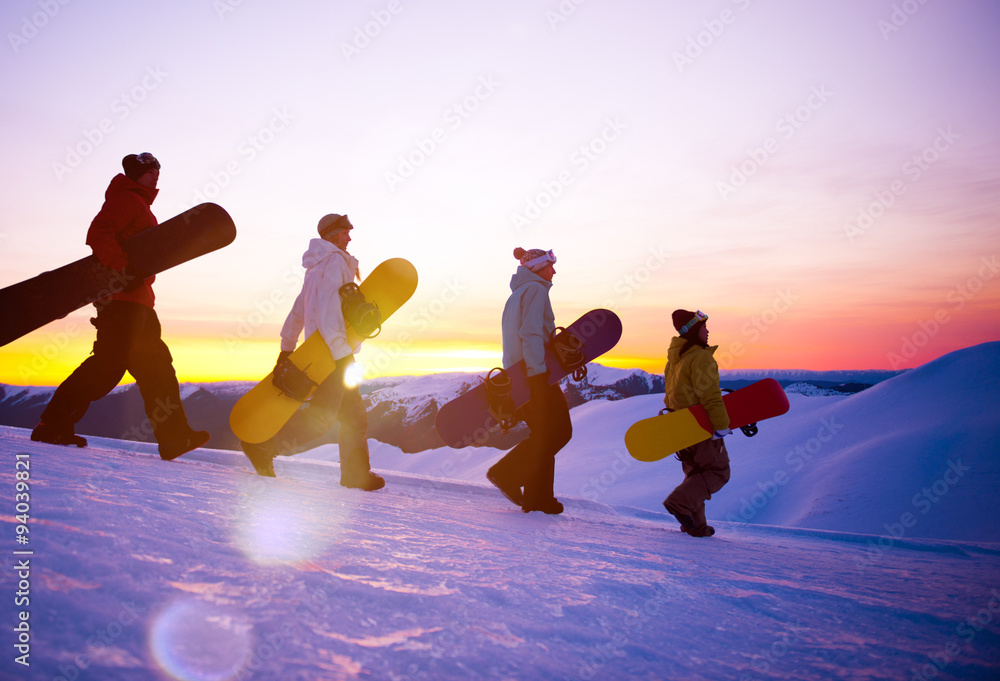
(125, 213)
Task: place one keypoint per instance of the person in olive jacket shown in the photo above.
(527, 325)
(692, 377)
(128, 330)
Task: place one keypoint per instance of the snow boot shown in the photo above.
(178, 446)
(703, 531)
(686, 521)
(550, 506)
(508, 489)
(261, 456)
(367, 481)
(57, 435)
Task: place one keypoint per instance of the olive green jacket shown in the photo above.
(694, 379)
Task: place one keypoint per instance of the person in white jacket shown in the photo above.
(317, 309)
(527, 325)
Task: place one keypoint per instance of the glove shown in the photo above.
(719, 434)
(282, 357)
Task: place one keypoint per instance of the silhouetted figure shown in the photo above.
(528, 323)
(692, 377)
(328, 267)
(128, 330)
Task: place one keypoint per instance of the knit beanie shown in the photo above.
(688, 323)
(535, 259)
(328, 224)
(137, 165)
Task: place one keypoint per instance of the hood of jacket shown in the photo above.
(121, 185)
(677, 344)
(524, 276)
(320, 250)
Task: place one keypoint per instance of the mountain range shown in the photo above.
(401, 410)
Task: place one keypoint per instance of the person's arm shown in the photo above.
(531, 331)
(705, 381)
(294, 323)
(102, 237)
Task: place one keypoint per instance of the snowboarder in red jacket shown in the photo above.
(128, 330)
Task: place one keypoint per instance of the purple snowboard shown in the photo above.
(466, 420)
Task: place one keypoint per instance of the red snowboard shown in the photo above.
(658, 437)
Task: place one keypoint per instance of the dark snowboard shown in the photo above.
(35, 302)
(467, 420)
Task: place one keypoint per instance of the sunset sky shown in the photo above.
(821, 178)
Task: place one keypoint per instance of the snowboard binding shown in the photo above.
(363, 316)
(292, 381)
(501, 404)
(569, 351)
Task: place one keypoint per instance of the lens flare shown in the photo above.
(353, 375)
(279, 525)
(196, 641)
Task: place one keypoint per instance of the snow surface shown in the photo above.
(199, 570)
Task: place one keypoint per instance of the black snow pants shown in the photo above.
(128, 339)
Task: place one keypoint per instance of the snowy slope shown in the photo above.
(854, 463)
(196, 569)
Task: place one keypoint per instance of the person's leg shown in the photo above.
(552, 428)
(706, 471)
(92, 380)
(150, 363)
(355, 462)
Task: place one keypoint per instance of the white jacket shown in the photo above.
(318, 306)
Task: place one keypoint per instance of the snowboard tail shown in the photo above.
(33, 303)
(660, 436)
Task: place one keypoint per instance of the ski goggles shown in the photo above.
(147, 159)
(548, 258)
(698, 318)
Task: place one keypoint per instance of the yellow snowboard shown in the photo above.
(260, 414)
(656, 438)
